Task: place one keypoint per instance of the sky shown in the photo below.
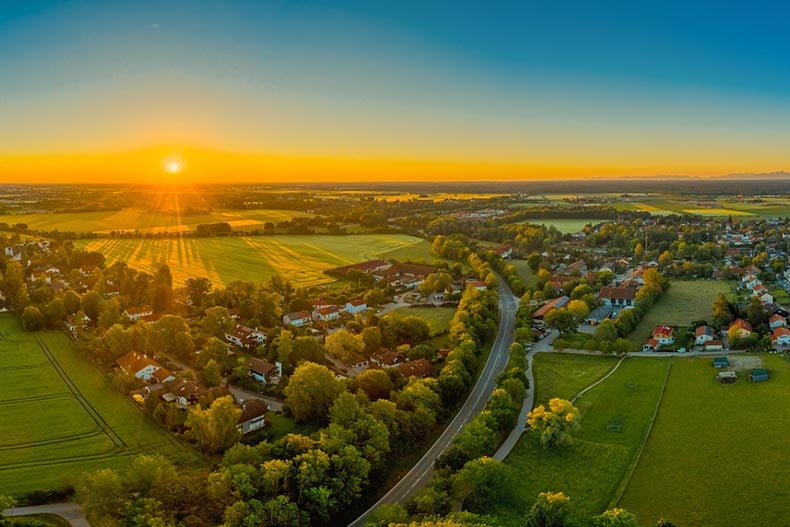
(390, 90)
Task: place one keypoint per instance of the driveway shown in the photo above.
(69, 510)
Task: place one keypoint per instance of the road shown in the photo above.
(69, 510)
(475, 403)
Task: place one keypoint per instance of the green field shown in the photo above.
(615, 418)
(565, 225)
(145, 221)
(525, 272)
(60, 416)
(717, 455)
(686, 301)
(438, 318)
(299, 258)
(420, 251)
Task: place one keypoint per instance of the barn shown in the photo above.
(759, 375)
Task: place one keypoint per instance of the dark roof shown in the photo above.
(252, 408)
(260, 366)
(416, 368)
(621, 293)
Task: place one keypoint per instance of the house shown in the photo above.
(548, 307)
(136, 313)
(138, 364)
(599, 314)
(758, 375)
(714, 345)
(663, 334)
(356, 306)
(721, 362)
(780, 338)
(777, 321)
(245, 337)
(298, 318)
(704, 334)
(386, 358)
(740, 329)
(326, 313)
(263, 370)
(651, 345)
(503, 251)
(476, 284)
(623, 297)
(579, 266)
(419, 368)
(72, 323)
(162, 375)
(369, 267)
(766, 298)
(253, 416)
(183, 392)
(759, 289)
(749, 281)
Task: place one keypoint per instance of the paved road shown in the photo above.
(276, 405)
(475, 403)
(69, 510)
(521, 425)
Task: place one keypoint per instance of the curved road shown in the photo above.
(68, 510)
(475, 403)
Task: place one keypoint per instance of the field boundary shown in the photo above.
(599, 381)
(638, 454)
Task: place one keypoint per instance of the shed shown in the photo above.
(727, 377)
(759, 375)
(720, 362)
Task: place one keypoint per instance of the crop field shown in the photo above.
(438, 318)
(686, 301)
(60, 417)
(717, 454)
(616, 415)
(145, 221)
(419, 251)
(565, 225)
(299, 258)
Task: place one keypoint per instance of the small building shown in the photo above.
(623, 297)
(245, 337)
(138, 364)
(741, 328)
(777, 321)
(548, 307)
(651, 345)
(663, 334)
(721, 362)
(704, 334)
(297, 318)
(758, 375)
(599, 314)
(419, 368)
(326, 313)
(476, 284)
(386, 358)
(714, 345)
(253, 416)
(356, 306)
(727, 377)
(136, 313)
(263, 370)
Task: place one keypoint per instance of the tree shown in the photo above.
(170, 334)
(214, 428)
(615, 518)
(386, 514)
(54, 313)
(606, 331)
(311, 391)
(375, 383)
(483, 480)
(6, 502)
(71, 302)
(722, 311)
(552, 509)
(284, 346)
(101, 495)
(578, 309)
(345, 346)
(560, 319)
(555, 423)
(197, 290)
(216, 322)
(371, 336)
(32, 319)
(216, 350)
(212, 373)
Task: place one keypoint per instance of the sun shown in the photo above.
(174, 167)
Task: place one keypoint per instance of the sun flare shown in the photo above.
(174, 167)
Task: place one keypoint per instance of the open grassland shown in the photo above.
(419, 251)
(686, 301)
(59, 416)
(566, 225)
(145, 221)
(525, 272)
(615, 418)
(717, 454)
(438, 318)
(564, 375)
(299, 258)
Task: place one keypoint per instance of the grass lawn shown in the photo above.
(281, 426)
(717, 455)
(615, 417)
(299, 258)
(524, 271)
(438, 318)
(419, 251)
(70, 421)
(145, 221)
(566, 225)
(686, 301)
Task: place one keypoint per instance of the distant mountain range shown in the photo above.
(744, 175)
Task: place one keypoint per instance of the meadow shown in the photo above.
(133, 219)
(616, 416)
(525, 272)
(717, 454)
(438, 318)
(299, 258)
(712, 207)
(61, 417)
(419, 251)
(567, 225)
(686, 301)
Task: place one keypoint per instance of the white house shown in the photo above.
(704, 334)
(263, 370)
(663, 334)
(623, 297)
(253, 416)
(245, 337)
(777, 321)
(326, 313)
(780, 338)
(356, 306)
(136, 313)
(139, 365)
(766, 298)
(298, 318)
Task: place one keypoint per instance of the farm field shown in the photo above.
(419, 251)
(438, 318)
(145, 221)
(565, 225)
(61, 417)
(717, 454)
(686, 301)
(615, 417)
(299, 258)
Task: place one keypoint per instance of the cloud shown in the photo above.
(154, 25)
